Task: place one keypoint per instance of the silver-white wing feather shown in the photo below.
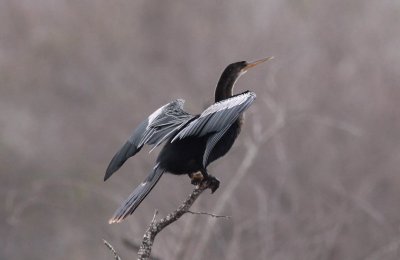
(160, 125)
(216, 120)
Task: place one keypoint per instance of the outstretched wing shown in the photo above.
(160, 125)
(216, 120)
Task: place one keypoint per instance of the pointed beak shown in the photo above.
(255, 63)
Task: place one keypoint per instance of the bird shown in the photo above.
(192, 142)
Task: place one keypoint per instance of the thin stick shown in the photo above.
(208, 214)
(111, 248)
(156, 226)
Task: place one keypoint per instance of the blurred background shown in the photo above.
(314, 174)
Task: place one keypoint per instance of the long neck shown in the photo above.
(224, 87)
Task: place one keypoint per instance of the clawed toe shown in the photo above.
(210, 182)
(204, 181)
(196, 178)
(213, 183)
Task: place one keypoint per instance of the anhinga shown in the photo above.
(192, 141)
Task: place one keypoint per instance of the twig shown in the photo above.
(156, 226)
(208, 214)
(110, 247)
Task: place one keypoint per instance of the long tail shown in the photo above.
(137, 196)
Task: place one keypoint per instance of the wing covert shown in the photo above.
(160, 125)
(216, 120)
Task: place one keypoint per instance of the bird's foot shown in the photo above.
(196, 178)
(210, 182)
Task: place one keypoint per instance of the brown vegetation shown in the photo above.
(314, 174)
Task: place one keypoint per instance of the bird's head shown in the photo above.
(241, 67)
(231, 73)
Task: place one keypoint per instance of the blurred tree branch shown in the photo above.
(111, 248)
(156, 226)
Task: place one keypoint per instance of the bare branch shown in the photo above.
(156, 226)
(208, 214)
(111, 248)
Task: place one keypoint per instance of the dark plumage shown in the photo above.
(192, 141)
